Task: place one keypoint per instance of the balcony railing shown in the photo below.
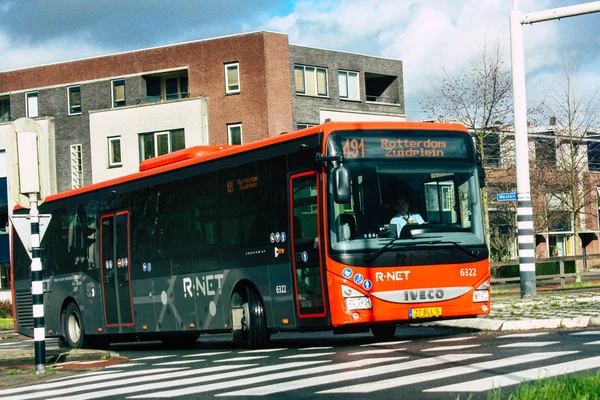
(162, 98)
(383, 99)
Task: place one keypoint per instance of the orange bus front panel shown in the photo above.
(396, 294)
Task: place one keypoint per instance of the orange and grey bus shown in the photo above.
(289, 233)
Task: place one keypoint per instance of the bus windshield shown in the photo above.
(406, 201)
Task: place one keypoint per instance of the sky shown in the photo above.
(427, 35)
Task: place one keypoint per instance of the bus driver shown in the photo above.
(404, 216)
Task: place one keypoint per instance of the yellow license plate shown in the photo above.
(430, 312)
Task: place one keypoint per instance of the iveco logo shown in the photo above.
(428, 294)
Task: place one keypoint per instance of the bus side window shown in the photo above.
(142, 218)
(172, 235)
(204, 222)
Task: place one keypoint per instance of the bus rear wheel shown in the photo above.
(73, 326)
(253, 332)
(384, 332)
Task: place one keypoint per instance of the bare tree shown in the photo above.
(561, 168)
(479, 96)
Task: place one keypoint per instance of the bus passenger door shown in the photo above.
(114, 254)
(307, 270)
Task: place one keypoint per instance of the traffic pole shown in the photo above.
(37, 289)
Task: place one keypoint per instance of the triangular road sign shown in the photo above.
(22, 224)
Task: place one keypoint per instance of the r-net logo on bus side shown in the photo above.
(204, 285)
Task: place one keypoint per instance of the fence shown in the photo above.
(561, 266)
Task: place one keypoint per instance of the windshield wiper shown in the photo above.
(459, 247)
(370, 259)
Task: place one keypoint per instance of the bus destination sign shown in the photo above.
(404, 147)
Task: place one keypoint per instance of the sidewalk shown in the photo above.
(547, 310)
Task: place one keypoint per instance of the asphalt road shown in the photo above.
(420, 363)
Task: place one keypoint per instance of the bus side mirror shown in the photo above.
(341, 184)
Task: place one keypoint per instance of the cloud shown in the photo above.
(429, 35)
(73, 29)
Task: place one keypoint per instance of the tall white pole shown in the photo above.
(524, 210)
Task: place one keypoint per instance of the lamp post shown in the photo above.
(524, 210)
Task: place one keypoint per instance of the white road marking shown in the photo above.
(385, 343)
(351, 375)
(236, 359)
(207, 354)
(151, 387)
(260, 351)
(378, 351)
(179, 362)
(264, 378)
(596, 342)
(316, 348)
(515, 378)
(125, 365)
(597, 333)
(152, 358)
(89, 391)
(459, 339)
(522, 335)
(449, 348)
(309, 355)
(529, 344)
(83, 375)
(83, 381)
(445, 373)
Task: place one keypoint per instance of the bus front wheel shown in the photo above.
(73, 326)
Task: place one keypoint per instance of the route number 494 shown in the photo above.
(468, 272)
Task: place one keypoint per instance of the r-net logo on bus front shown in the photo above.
(207, 285)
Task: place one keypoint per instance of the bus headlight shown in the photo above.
(481, 293)
(355, 300)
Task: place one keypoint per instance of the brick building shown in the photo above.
(104, 115)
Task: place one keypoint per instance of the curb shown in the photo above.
(15, 358)
(484, 324)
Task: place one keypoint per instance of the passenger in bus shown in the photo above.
(403, 215)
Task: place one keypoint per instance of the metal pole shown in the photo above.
(37, 289)
(524, 210)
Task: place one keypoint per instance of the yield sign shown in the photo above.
(22, 224)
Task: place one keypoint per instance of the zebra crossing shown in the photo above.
(454, 365)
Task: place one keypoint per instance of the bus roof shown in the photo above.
(200, 154)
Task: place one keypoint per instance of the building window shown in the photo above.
(349, 86)
(118, 92)
(114, 151)
(232, 78)
(74, 100)
(32, 105)
(76, 166)
(5, 109)
(311, 81)
(302, 125)
(165, 88)
(154, 144)
(234, 134)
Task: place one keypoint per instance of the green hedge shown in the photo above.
(549, 268)
(5, 309)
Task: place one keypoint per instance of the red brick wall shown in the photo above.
(279, 91)
(263, 105)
